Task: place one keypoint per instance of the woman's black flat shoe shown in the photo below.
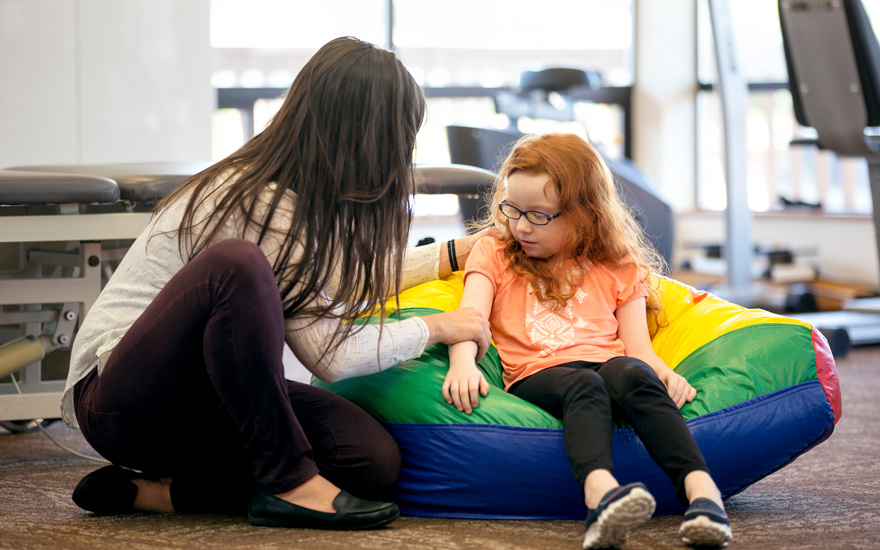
(351, 514)
(108, 490)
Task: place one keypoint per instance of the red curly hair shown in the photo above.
(601, 226)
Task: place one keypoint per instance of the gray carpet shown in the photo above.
(827, 499)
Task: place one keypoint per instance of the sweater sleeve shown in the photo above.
(367, 351)
(420, 265)
(371, 348)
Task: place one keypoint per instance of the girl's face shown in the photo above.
(526, 191)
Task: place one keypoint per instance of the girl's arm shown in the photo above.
(464, 382)
(632, 330)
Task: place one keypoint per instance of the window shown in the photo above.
(461, 61)
(266, 42)
(484, 43)
(262, 44)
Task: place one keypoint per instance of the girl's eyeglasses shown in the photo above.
(534, 217)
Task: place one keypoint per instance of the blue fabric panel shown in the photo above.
(748, 441)
(481, 471)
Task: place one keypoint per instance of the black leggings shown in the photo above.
(588, 397)
(195, 391)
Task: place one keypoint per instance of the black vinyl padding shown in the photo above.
(29, 187)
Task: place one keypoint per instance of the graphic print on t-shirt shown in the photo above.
(552, 330)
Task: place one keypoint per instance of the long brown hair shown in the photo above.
(343, 143)
(600, 227)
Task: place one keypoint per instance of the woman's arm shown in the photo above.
(464, 383)
(364, 352)
(632, 330)
(430, 262)
(374, 348)
(463, 247)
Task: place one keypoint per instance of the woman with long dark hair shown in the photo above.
(176, 373)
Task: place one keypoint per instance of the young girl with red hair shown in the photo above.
(567, 290)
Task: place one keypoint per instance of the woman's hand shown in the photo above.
(464, 385)
(461, 325)
(678, 387)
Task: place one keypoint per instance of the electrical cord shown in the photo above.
(39, 422)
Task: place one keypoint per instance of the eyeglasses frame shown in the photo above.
(525, 213)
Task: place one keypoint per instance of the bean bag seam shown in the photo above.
(732, 410)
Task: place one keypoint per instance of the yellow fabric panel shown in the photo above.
(691, 319)
(444, 295)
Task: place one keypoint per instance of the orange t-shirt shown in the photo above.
(530, 337)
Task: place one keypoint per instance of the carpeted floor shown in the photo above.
(827, 499)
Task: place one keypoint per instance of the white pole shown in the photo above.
(733, 91)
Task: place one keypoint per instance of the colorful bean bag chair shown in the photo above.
(767, 391)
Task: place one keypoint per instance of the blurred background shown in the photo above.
(101, 81)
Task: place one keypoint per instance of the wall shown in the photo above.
(664, 97)
(100, 81)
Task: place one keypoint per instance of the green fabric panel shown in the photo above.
(410, 391)
(733, 368)
(746, 363)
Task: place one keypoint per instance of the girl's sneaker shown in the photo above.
(705, 524)
(618, 512)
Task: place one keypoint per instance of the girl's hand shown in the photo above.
(678, 387)
(464, 382)
(632, 329)
(463, 387)
(461, 325)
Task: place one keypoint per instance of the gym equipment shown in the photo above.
(833, 61)
(62, 228)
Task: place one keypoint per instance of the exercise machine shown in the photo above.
(833, 61)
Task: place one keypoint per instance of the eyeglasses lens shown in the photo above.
(509, 211)
(537, 218)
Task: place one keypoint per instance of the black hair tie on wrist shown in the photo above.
(453, 260)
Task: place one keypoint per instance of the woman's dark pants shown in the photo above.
(195, 391)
